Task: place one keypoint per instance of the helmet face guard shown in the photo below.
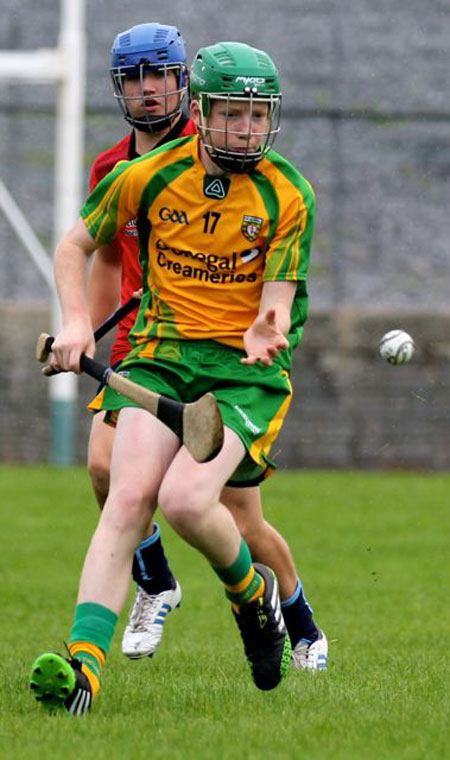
(233, 72)
(246, 158)
(149, 48)
(150, 122)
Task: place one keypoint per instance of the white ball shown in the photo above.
(397, 347)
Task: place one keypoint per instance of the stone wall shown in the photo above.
(350, 409)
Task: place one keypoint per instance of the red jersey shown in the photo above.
(126, 242)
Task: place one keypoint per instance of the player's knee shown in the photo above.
(183, 506)
(98, 468)
(98, 463)
(128, 507)
(99, 458)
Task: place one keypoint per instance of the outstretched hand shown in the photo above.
(264, 339)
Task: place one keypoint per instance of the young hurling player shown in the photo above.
(216, 315)
(152, 105)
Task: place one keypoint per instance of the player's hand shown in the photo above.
(138, 293)
(264, 340)
(75, 339)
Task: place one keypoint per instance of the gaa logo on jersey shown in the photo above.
(251, 227)
(173, 215)
(131, 228)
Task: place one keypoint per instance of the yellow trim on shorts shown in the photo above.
(96, 404)
(261, 446)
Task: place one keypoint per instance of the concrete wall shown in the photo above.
(350, 409)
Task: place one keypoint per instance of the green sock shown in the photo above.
(90, 639)
(95, 623)
(242, 583)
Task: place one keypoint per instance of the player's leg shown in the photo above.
(157, 592)
(100, 445)
(143, 448)
(189, 498)
(267, 545)
(309, 644)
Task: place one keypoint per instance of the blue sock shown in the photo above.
(151, 570)
(298, 617)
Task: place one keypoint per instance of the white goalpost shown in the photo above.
(64, 66)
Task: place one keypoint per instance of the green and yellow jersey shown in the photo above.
(207, 243)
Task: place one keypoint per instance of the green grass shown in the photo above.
(373, 555)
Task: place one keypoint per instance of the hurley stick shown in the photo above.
(198, 424)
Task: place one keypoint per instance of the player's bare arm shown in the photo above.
(104, 284)
(76, 336)
(266, 337)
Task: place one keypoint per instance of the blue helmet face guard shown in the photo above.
(140, 118)
(157, 50)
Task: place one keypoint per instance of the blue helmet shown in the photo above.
(148, 48)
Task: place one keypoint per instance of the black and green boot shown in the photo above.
(263, 631)
(59, 684)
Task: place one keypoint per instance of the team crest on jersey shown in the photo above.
(251, 227)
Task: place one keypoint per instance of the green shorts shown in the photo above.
(253, 400)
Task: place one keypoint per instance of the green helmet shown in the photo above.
(235, 71)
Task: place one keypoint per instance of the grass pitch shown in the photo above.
(372, 550)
